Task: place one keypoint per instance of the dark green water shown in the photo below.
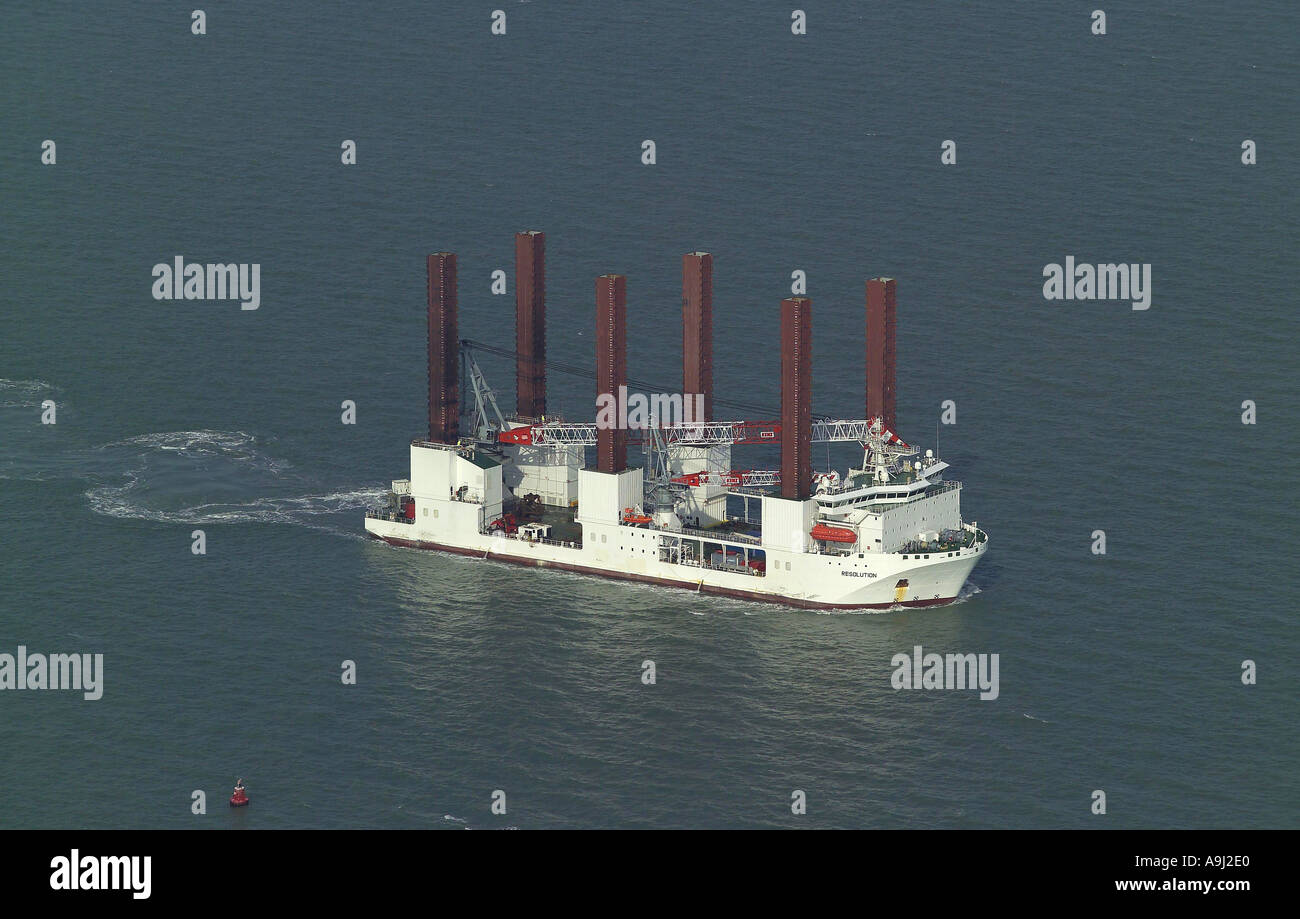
(775, 153)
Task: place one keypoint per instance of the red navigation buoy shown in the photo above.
(240, 797)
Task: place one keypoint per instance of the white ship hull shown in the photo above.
(813, 581)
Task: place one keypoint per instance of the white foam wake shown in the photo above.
(24, 393)
(174, 477)
(234, 446)
(121, 502)
(117, 502)
(967, 591)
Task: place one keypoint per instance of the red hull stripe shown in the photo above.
(663, 582)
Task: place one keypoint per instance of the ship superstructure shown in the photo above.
(518, 487)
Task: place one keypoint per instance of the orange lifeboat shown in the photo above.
(632, 516)
(833, 534)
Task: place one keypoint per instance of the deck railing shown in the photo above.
(714, 536)
(561, 543)
(734, 569)
(384, 515)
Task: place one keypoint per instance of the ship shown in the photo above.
(533, 489)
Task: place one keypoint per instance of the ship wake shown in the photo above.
(214, 477)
